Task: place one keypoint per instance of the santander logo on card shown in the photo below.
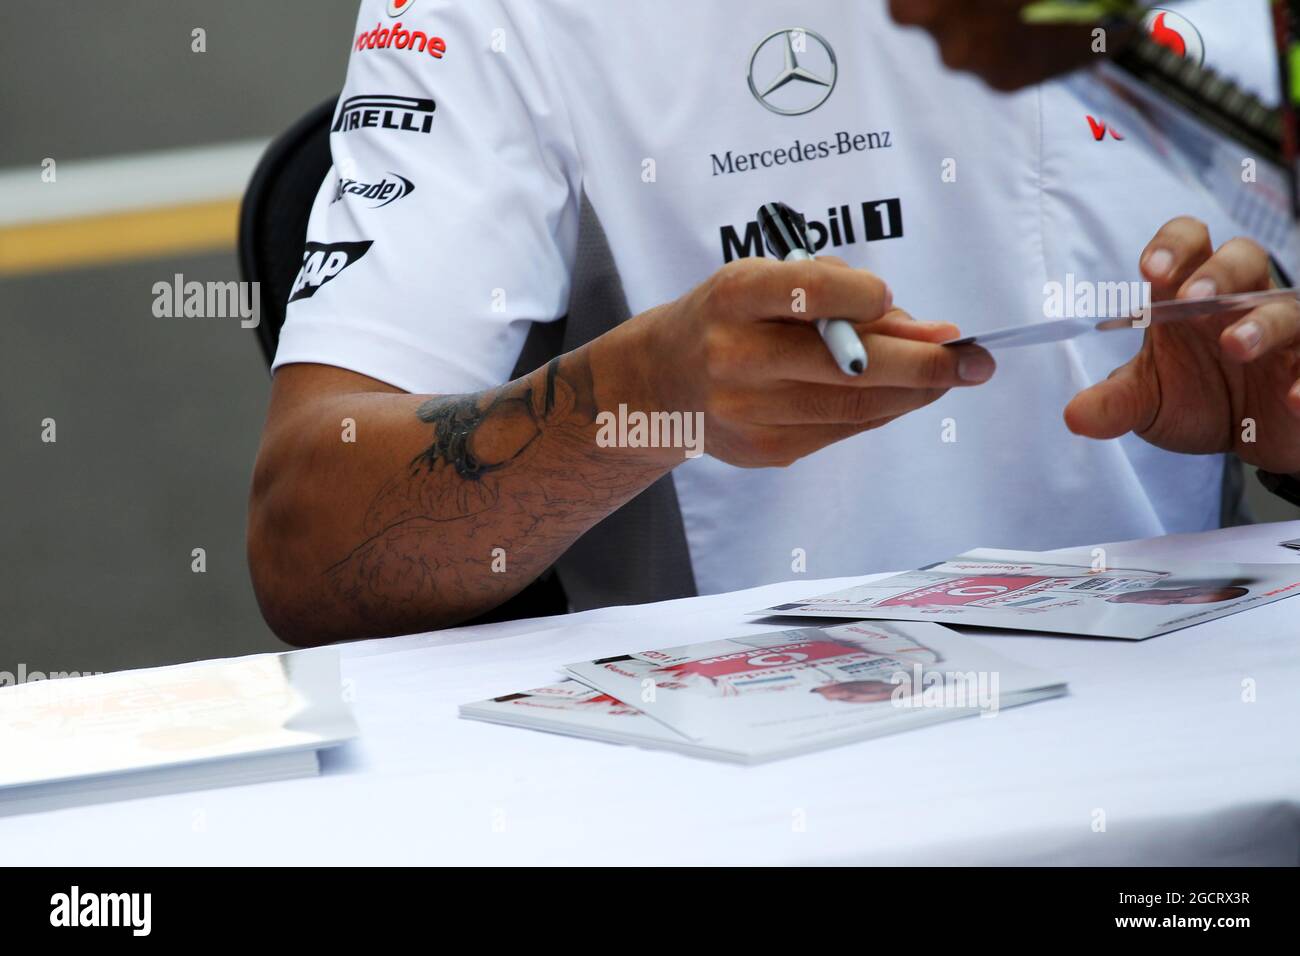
(1174, 31)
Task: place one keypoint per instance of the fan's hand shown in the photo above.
(1206, 385)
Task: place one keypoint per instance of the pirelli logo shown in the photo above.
(383, 111)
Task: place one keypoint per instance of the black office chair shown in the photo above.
(274, 214)
(272, 230)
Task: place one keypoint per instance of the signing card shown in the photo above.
(764, 696)
(1028, 591)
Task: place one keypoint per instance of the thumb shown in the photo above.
(1123, 403)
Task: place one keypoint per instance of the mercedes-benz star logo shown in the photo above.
(795, 89)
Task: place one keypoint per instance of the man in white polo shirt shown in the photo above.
(423, 461)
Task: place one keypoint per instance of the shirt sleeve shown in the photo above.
(448, 221)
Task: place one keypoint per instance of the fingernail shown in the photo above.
(975, 367)
(1202, 289)
(1248, 335)
(1160, 262)
(889, 298)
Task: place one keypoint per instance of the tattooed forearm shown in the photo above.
(515, 468)
(516, 420)
(456, 421)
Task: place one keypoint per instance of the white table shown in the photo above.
(1155, 735)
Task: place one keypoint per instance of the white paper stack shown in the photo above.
(168, 729)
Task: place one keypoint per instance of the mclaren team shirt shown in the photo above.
(470, 133)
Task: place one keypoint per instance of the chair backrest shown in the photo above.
(276, 208)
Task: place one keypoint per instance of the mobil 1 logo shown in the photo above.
(846, 225)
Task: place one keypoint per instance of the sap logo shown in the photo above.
(383, 111)
(1100, 128)
(381, 193)
(322, 261)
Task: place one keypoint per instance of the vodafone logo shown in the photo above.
(1100, 128)
(397, 7)
(1175, 32)
(398, 38)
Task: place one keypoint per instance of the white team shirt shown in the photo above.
(468, 130)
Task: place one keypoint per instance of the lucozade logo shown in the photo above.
(380, 194)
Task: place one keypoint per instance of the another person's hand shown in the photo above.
(1207, 385)
(988, 38)
(743, 348)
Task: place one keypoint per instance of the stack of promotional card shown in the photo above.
(141, 733)
(767, 696)
(781, 693)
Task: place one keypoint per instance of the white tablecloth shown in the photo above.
(1154, 738)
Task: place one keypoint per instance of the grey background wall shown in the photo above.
(157, 419)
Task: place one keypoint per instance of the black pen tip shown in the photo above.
(784, 229)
